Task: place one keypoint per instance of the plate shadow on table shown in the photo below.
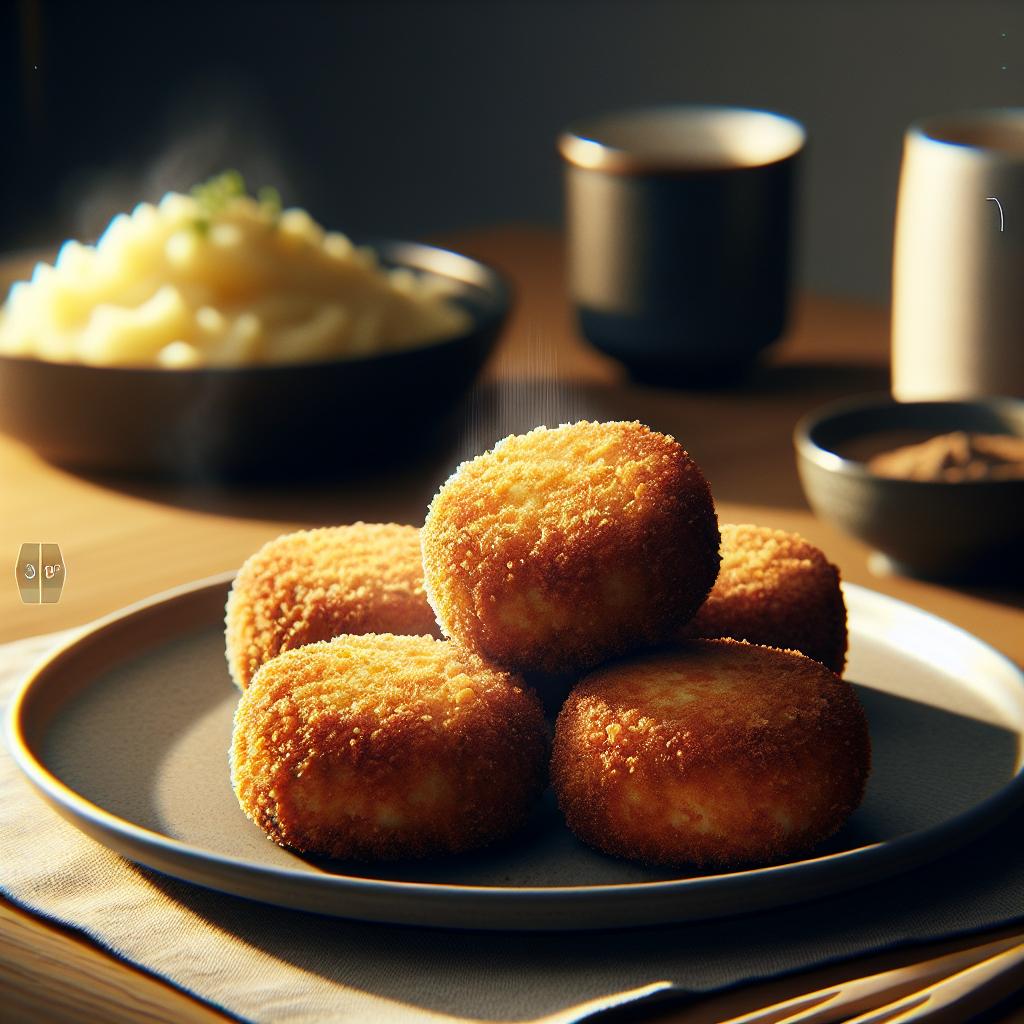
(719, 428)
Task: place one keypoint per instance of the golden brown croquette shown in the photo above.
(717, 753)
(777, 589)
(563, 547)
(380, 747)
(317, 584)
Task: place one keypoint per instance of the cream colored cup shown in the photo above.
(958, 261)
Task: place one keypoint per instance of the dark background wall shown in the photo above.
(410, 119)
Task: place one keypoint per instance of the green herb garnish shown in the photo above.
(217, 193)
(270, 199)
(214, 194)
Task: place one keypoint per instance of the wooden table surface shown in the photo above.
(125, 540)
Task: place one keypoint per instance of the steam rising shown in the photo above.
(214, 124)
(218, 123)
(527, 393)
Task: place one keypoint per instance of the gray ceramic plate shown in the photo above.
(125, 731)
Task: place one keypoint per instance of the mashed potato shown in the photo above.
(179, 285)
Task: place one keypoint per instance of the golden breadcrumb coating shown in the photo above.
(317, 584)
(777, 589)
(380, 747)
(716, 753)
(562, 547)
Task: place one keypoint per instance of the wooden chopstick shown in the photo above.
(876, 993)
(959, 997)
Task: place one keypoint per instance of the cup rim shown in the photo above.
(942, 130)
(580, 145)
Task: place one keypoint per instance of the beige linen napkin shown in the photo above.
(262, 963)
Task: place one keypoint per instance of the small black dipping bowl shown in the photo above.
(260, 421)
(971, 530)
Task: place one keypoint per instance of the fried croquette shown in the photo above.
(317, 584)
(563, 547)
(777, 589)
(382, 747)
(717, 753)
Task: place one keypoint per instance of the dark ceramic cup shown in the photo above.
(680, 236)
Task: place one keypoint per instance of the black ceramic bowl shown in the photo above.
(260, 421)
(937, 530)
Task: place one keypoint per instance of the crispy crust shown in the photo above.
(716, 753)
(380, 747)
(562, 547)
(777, 589)
(316, 584)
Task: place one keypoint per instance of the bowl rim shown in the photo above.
(832, 462)
(396, 252)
